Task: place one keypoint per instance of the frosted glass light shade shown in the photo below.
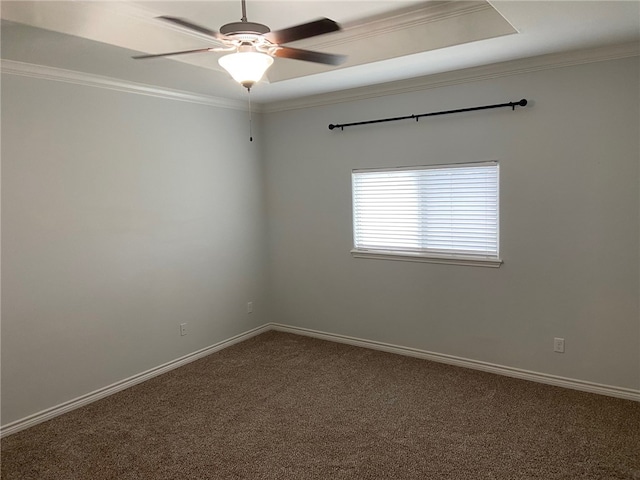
(246, 68)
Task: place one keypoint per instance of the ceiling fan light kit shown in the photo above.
(247, 66)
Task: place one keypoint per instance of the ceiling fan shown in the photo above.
(252, 46)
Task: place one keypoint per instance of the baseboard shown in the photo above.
(78, 402)
(49, 413)
(591, 387)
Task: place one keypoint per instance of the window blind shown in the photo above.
(440, 210)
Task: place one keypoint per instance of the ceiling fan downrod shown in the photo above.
(244, 26)
(244, 11)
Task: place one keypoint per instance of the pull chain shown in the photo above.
(250, 123)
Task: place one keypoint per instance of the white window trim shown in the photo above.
(428, 257)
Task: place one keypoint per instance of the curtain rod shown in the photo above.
(513, 106)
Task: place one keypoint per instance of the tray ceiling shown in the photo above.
(384, 40)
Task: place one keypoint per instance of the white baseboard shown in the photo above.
(83, 400)
(49, 413)
(591, 387)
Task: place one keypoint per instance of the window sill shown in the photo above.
(430, 258)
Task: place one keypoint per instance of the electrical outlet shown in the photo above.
(558, 345)
(183, 329)
(249, 307)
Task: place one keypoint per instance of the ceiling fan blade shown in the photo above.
(310, 56)
(154, 55)
(192, 26)
(305, 30)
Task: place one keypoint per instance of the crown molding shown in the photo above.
(12, 67)
(467, 75)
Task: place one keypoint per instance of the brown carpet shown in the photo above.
(282, 406)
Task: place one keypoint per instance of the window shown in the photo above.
(444, 213)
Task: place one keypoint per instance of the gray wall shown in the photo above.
(122, 216)
(569, 223)
(125, 215)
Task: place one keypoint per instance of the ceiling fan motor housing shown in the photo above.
(244, 28)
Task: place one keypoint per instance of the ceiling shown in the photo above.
(384, 40)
